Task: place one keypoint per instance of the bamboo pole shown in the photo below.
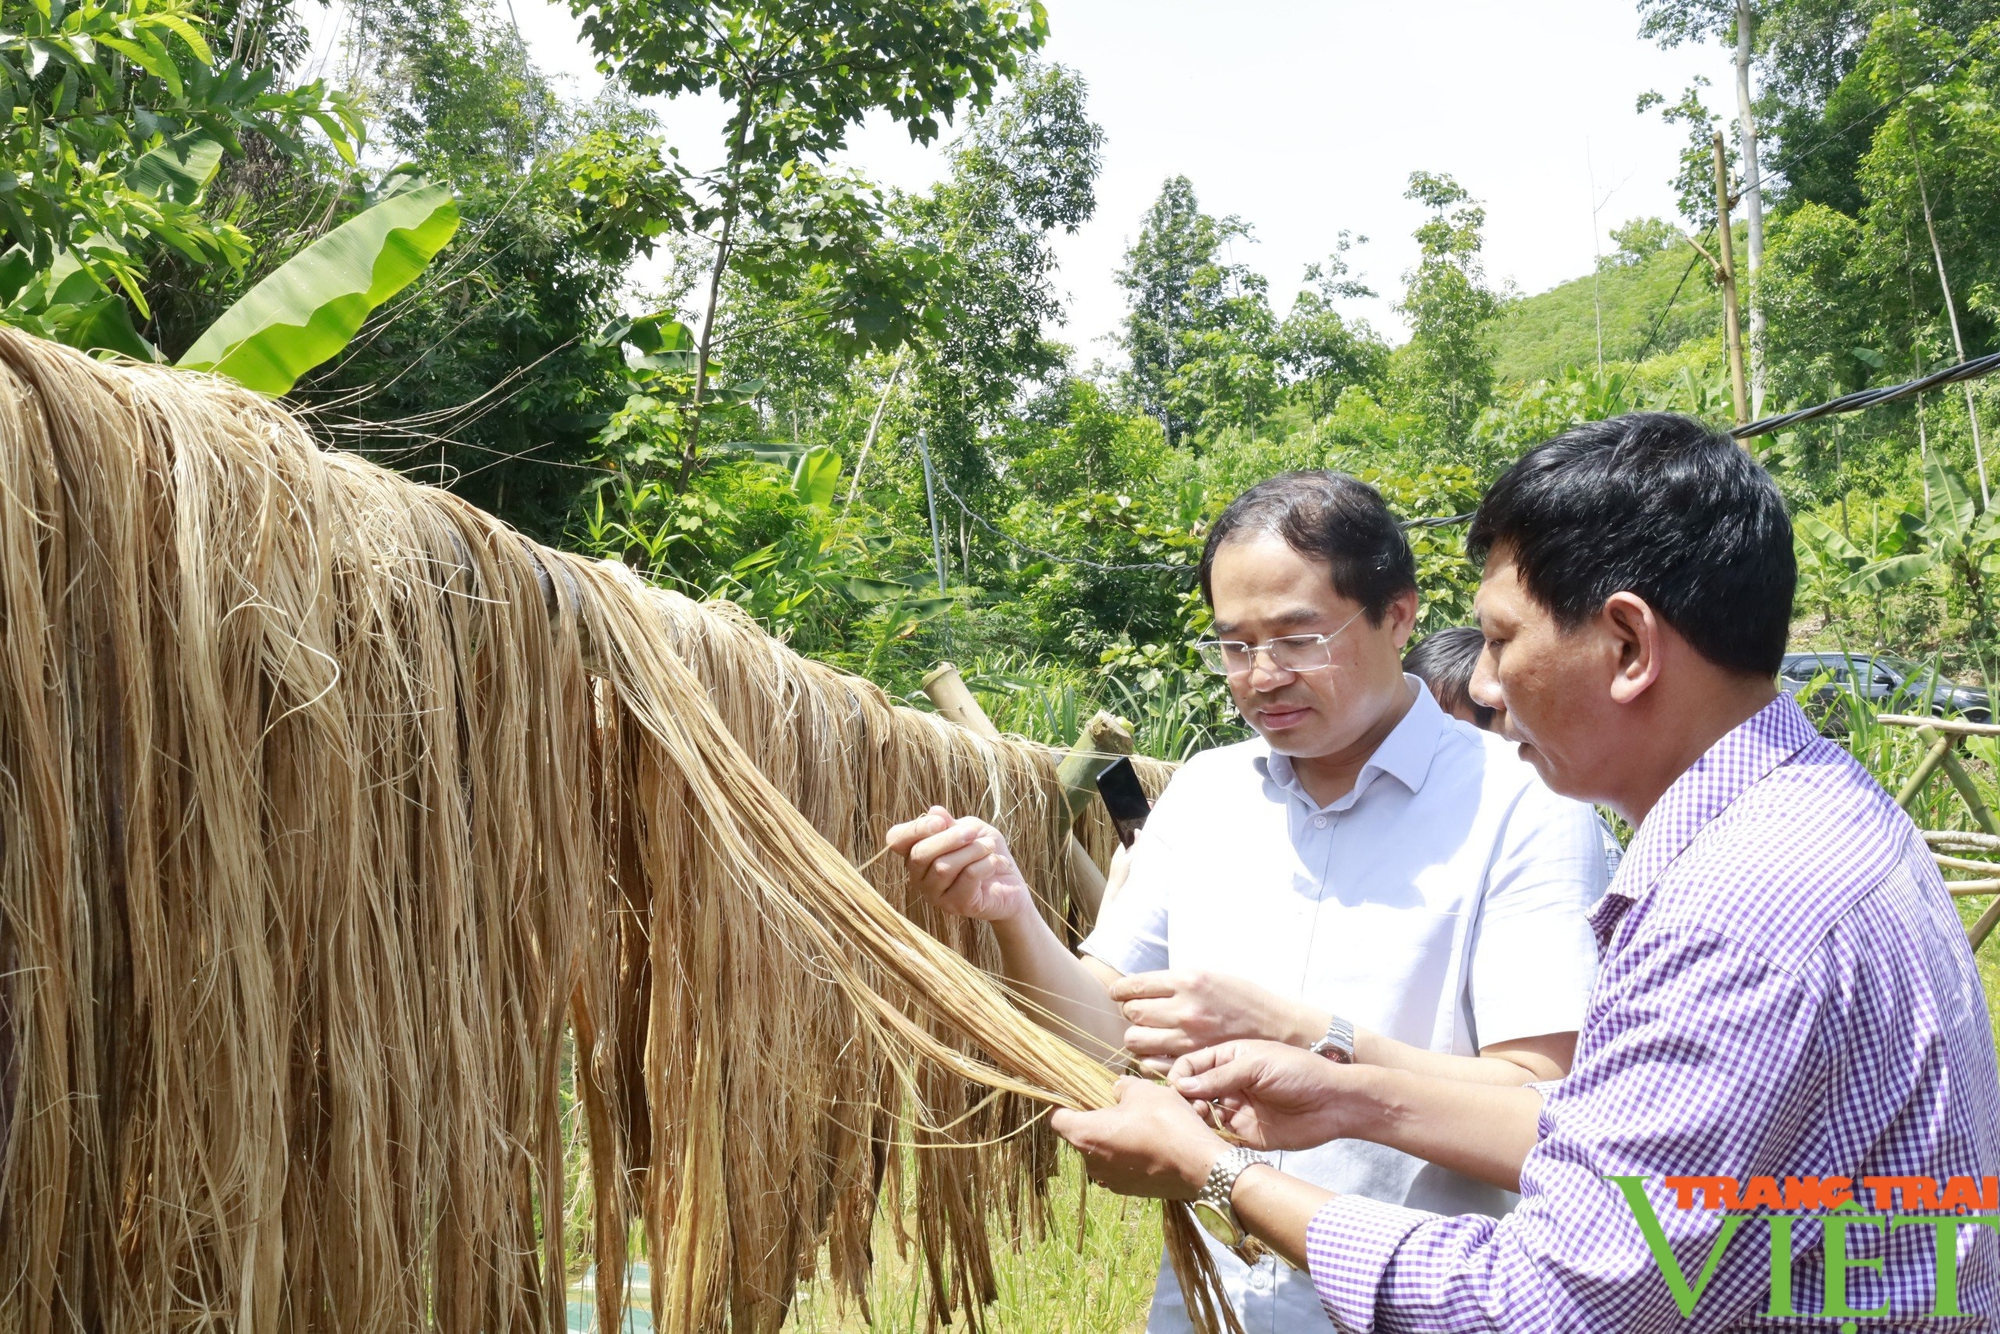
(1103, 739)
(1730, 320)
(951, 697)
(1984, 926)
(1956, 726)
(1925, 768)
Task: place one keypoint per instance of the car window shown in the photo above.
(1799, 669)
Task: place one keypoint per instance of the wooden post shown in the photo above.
(1727, 272)
(1984, 926)
(950, 696)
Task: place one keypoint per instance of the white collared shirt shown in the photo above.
(1442, 902)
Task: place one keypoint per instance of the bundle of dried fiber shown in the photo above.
(332, 808)
(852, 763)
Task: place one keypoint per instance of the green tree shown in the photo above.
(1024, 170)
(1199, 334)
(485, 375)
(117, 116)
(796, 78)
(1320, 352)
(1446, 371)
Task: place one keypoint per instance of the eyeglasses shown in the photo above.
(1288, 653)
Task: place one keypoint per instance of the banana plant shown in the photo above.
(310, 307)
(1952, 534)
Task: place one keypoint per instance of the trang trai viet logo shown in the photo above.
(1837, 1205)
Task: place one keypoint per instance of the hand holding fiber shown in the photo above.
(962, 866)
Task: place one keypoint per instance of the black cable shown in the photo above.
(1874, 398)
(1855, 402)
(1668, 308)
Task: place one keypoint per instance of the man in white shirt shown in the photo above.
(1368, 877)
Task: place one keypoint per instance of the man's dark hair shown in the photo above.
(1661, 506)
(1325, 516)
(1445, 660)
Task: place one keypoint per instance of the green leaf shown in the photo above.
(312, 306)
(817, 476)
(178, 168)
(16, 268)
(1825, 538)
(1952, 509)
(784, 453)
(1886, 574)
(105, 325)
(863, 589)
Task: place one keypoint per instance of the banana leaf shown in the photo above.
(311, 307)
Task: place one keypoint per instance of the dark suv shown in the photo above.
(1895, 684)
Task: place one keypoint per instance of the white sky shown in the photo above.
(1307, 116)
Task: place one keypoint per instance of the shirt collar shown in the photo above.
(1742, 758)
(1405, 754)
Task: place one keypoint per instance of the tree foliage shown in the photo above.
(1447, 373)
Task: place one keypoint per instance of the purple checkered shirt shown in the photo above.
(1785, 990)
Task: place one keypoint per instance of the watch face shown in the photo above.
(1217, 1223)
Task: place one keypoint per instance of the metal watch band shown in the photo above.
(1338, 1044)
(1221, 1183)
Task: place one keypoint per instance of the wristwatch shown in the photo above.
(1217, 1215)
(1338, 1044)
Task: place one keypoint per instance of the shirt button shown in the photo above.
(1319, 822)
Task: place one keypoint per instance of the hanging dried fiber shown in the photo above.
(342, 831)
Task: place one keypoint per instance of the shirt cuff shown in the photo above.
(1349, 1245)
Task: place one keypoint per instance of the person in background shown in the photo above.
(1366, 880)
(1785, 990)
(1444, 661)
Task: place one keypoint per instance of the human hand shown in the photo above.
(1121, 868)
(1177, 1011)
(962, 866)
(1274, 1096)
(1152, 1143)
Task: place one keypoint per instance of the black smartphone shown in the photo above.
(1124, 798)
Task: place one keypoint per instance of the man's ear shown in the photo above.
(1403, 617)
(1637, 633)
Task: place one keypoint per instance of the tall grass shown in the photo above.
(1089, 1272)
(1173, 713)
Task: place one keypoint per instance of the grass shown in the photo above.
(1098, 1280)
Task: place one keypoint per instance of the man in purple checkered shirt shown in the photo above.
(1785, 989)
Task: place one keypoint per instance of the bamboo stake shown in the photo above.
(948, 692)
(1925, 768)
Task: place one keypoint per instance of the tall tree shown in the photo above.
(1199, 333)
(1671, 22)
(1024, 170)
(796, 76)
(1447, 368)
(1321, 352)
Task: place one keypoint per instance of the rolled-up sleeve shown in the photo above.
(1349, 1245)
(1534, 957)
(1704, 1058)
(1131, 932)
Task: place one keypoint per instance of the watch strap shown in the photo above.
(1338, 1043)
(1220, 1186)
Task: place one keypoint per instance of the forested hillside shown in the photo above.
(759, 425)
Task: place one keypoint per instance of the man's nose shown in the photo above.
(1265, 673)
(1485, 684)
